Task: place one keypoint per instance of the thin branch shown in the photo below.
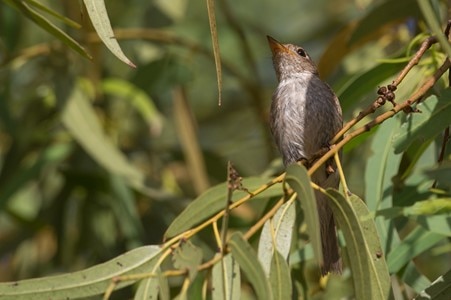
(379, 100)
(405, 106)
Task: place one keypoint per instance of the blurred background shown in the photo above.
(98, 158)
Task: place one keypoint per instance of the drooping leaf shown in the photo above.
(212, 201)
(140, 100)
(215, 42)
(53, 13)
(278, 229)
(148, 288)
(81, 121)
(90, 282)
(99, 17)
(280, 277)
(248, 261)
(299, 181)
(367, 261)
(45, 24)
(226, 279)
(382, 165)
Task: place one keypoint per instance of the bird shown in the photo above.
(305, 115)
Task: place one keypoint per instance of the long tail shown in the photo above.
(331, 254)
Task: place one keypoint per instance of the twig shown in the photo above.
(378, 103)
(381, 118)
(262, 220)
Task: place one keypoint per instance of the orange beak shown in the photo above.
(276, 46)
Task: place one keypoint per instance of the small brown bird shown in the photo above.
(305, 115)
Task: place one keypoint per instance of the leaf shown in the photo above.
(367, 263)
(45, 24)
(226, 279)
(383, 14)
(248, 261)
(148, 288)
(415, 243)
(278, 229)
(99, 17)
(362, 84)
(299, 181)
(139, 99)
(440, 289)
(189, 257)
(212, 201)
(382, 166)
(55, 14)
(280, 277)
(215, 42)
(440, 224)
(429, 207)
(432, 20)
(81, 121)
(89, 282)
(434, 117)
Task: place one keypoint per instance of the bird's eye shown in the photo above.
(301, 52)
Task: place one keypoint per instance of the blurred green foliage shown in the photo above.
(98, 158)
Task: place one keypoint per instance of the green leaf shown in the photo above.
(212, 201)
(440, 224)
(429, 207)
(278, 229)
(440, 289)
(248, 261)
(364, 83)
(80, 119)
(383, 14)
(280, 277)
(55, 14)
(148, 288)
(187, 256)
(434, 117)
(367, 263)
(415, 243)
(99, 17)
(299, 181)
(45, 24)
(215, 42)
(139, 99)
(226, 279)
(379, 171)
(433, 20)
(85, 283)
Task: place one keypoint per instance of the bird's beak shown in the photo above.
(276, 46)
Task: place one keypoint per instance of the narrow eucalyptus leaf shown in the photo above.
(89, 282)
(248, 261)
(299, 181)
